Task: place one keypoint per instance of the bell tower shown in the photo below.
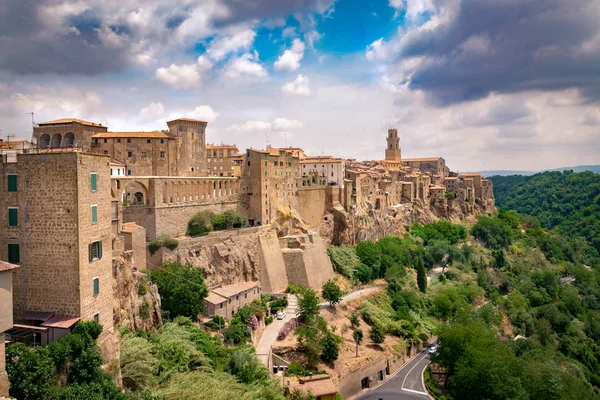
(392, 151)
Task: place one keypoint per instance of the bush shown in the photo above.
(246, 367)
(331, 292)
(268, 320)
(143, 288)
(201, 223)
(145, 310)
(231, 219)
(354, 320)
(363, 273)
(331, 347)
(237, 333)
(162, 241)
(344, 260)
(295, 289)
(171, 243)
(450, 195)
(287, 328)
(377, 334)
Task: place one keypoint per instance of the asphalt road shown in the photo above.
(407, 384)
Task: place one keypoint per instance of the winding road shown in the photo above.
(405, 384)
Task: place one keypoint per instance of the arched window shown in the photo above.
(56, 140)
(44, 141)
(68, 140)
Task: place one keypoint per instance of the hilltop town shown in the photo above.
(80, 205)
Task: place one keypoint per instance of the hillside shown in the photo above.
(506, 172)
(565, 200)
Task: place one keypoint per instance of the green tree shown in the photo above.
(201, 223)
(493, 232)
(363, 273)
(331, 292)
(331, 347)
(308, 304)
(421, 276)
(246, 367)
(181, 288)
(357, 335)
(377, 334)
(30, 371)
(370, 255)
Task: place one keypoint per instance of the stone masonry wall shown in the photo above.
(273, 276)
(3, 375)
(312, 203)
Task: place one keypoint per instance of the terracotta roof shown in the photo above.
(153, 134)
(436, 188)
(329, 159)
(13, 144)
(36, 315)
(117, 162)
(318, 385)
(130, 227)
(59, 321)
(68, 121)
(210, 146)
(422, 159)
(6, 266)
(236, 288)
(273, 151)
(214, 298)
(187, 120)
(470, 174)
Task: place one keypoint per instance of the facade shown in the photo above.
(227, 300)
(392, 150)
(6, 317)
(55, 213)
(432, 166)
(333, 169)
(220, 159)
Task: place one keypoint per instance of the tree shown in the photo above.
(421, 276)
(377, 334)
(354, 320)
(357, 335)
(309, 305)
(370, 255)
(330, 344)
(246, 367)
(332, 292)
(363, 273)
(201, 223)
(181, 288)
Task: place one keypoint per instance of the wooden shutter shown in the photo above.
(13, 217)
(12, 183)
(90, 256)
(14, 255)
(96, 286)
(94, 214)
(93, 181)
(99, 250)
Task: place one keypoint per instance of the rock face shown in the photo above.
(137, 302)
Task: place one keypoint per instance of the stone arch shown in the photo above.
(133, 193)
(44, 141)
(56, 140)
(68, 140)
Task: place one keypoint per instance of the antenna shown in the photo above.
(267, 141)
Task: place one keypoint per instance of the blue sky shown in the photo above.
(485, 84)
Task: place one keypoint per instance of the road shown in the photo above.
(352, 296)
(406, 384)
(269, 336)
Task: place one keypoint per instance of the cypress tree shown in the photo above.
(421, 276)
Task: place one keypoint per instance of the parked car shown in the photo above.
(433, 349)
(280, 314)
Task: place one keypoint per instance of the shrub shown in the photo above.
(331, 346)
(377, 334)
(287, 328)
(268, 320)
(231, 219)
(253, 322)
(143, 288)
(91, 328)
(145, 310)
(295, 289)
(450, 195)
(162, 241)
(237, 333)
(246, 367)
(344, 260)
(332, 292)
(354, 320)
(171, 243)
(201, 223)
(153, 247)
(363, 273)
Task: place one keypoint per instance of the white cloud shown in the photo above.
(245, 65)
(297, 86)
(397, 4)
(278, 124)
(153, 111)
(290, 59)
(222, 46)
(204, 113)
(377, 51)
(289, 32)
(179, 76)
(311, 37)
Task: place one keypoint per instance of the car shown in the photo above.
(433, 349)
(280, 315)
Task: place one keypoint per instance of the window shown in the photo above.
(266, 173)
(143, 154)
(118, 140)
(128, 153)
(275, 163)
(12, 183)
(128, 172)
(95, 251)
(128, 140)
(97, 318)
(162, 140)
(14, 254)
(105, 151)
(93, 179)
(105, 141)
(148, 141)
(96, 283)
(94, 214)
(13, 216)
(162, 154)
(209, 160)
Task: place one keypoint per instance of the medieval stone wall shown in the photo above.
(312, 203)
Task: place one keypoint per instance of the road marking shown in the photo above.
(416, 391)
(404, 381)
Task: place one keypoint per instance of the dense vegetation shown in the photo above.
(206, 221)
(564, 200)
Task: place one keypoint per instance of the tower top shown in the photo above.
(392, 150)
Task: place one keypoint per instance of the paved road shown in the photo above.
(352, 296)
(269, 336)
(406, 384)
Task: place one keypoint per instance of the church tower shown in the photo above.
(392, 151)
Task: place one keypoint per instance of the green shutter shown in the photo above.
(94, 214)
(96, 286)
(90, 256)
(99, 250)
(13, 217)
(93, 181)
(14, 255)
(12, 183)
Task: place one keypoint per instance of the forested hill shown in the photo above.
(566, 200)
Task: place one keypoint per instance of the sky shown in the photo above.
(486, 84)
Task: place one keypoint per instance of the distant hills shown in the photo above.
(505, 172)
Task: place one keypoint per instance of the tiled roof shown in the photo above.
(210, 146)
(36, 315)
(6, 266)
(186, 119)
(470, 174)
(68, 121)
(149, 135)
(130, 227)
(117, 162)
(236, 288)
(427, 159)
(14, 144)
(59, 321)
(214, 298)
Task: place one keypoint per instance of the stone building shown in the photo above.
(333, 169)
(6, 317)
(179, 151)
(55, 210)
(220, 159)
(225, 301)
(432, 166)
(392, 150)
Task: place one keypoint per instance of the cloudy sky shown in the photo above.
(487, 84)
